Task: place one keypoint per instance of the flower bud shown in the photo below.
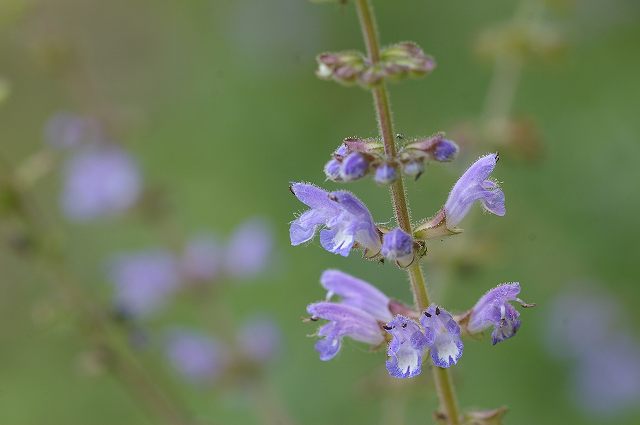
(332, 170)
(385, 173)
(436, 148)
(413, 168)
(354, 166)
(397, 245)
(406, 60)
(343, 67)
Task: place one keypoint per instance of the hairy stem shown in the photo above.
(444, 384)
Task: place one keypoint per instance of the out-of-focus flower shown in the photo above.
(354, 166)
(494, 309)
(260, 339)
(397, 245)
(386, 173)
(587, 327)
(143, 281)
(100, 180)
(196, 356)
(202, 259)
(249, 250)
(606, 379)
(66, 130)
(406, 347)
(346, 219)
(356, 315)
(443, 336)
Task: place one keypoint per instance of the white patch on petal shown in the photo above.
(448, 350)
(342, 238)
(407, 360)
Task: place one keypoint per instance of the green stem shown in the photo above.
(444, 384)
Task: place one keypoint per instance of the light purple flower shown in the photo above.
(354, 166)
(143, 281)
(397, 245)
(443, 336)
(406, 348)
(202, 259)
(100, 180)
(474, 186)
(344, 320)
(445, 150)
(345, 218)
(260, 339)
(414, 168)
(494, 309)
(249, 249)
(67, 130)
(196, 356)
(356, 315)
(356, 293)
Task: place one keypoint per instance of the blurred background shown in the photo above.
(205, 110)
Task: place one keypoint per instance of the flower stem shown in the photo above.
(442, 377)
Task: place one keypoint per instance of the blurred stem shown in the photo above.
(444, 384)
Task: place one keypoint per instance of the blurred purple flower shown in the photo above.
(494, 309)
(442, 334)
(196, 356)
(346, 219)
(201, 260)
(606, 378)
(100, 180)
(143, 281)
(66, 130)
(260, 339)
(406, 348)
(474, 186)
(587, 327)
(249, 250)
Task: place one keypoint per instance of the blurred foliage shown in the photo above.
(218, 100)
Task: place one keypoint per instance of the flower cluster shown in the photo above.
(365, 314)
(399, 61)
(356, 157)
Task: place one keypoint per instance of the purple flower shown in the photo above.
(475, 186)
(197, 357)
(397, 245)
(354, 166)
(443, 336)
(143, 281)
(493, 309)
(356, 293)
(344, 320)
(100, 180)
(260, 339)
(406, 347)
(201, 260)
(345, 218)
(356, 315)
(67, 130)
(249, 250)
(385, 173)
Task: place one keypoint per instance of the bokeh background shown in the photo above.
(218, 103)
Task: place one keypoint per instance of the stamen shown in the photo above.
(437, 311)
(427, 314)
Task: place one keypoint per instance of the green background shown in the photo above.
(218, 101)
